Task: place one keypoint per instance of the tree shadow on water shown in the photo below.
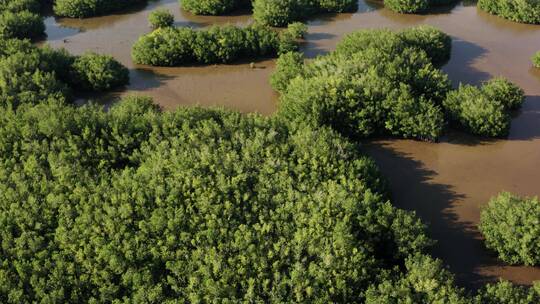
(413, 188)
(461, 68)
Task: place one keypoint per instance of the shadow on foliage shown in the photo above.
(459, 243)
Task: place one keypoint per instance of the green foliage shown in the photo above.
(218, 44)
(510, 225)
(212, 7)
(282, 12)
(506, 292)
(407, 6)
(93, 72)
(89, 8)
(20, 5)
(484, 111)
(504, 92)
(437, 44)
(29, 74)
(21, 24)
(374, 83)
(425, 281)
(288, 66)
(160, 18)
(297, 29)
(195, 205)
(536, 60)
(524, 11)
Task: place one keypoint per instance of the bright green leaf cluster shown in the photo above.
(160, 18)
(536, 60)
(511, 227)
(484, 110)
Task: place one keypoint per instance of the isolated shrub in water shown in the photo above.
(511, 227)
(282, 12)
(524, 11)
(160, 18)
(536, 60)
(212, 7)
(23, 24)
(89, 8)
(218, 44)
(93, 72)
(407, 6)
(297, 29)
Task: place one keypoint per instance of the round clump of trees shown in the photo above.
(160, 18)
(90, 8)
(524, 11)
(484, 110)
(511, 227)
(94, 72)
(213, 7)
(407, 6)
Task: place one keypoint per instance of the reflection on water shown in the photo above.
(445, 183)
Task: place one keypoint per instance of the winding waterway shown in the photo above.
(446, 183)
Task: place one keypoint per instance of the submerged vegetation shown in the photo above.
(511, 227)
(219, 44)
(524, 11)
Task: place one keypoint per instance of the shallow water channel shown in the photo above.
(446, 183)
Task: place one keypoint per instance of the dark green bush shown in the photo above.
(536, 60)
(283, 12)
(525, 11)
(218, 44)
(93, 72)
(22, 24)
(213, 7)
(436, 43)
(20, 5)
(160, 18)
(511, 227)
(90, 8)
(484, 110)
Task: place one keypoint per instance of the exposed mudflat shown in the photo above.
(446, 182)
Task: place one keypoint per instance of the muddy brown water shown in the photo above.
(445, 183)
